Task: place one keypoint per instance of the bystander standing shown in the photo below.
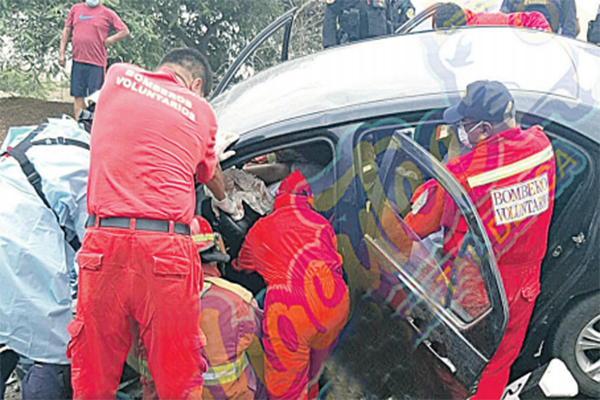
(90, 22)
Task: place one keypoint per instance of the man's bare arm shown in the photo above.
(117, 37)
(216, 185)
(66, 34)
(269, 173)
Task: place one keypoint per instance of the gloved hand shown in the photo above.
(228, 206)
(223, 140)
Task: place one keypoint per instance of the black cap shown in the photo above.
(449, 16)
(484, 101)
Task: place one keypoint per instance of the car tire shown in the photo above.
(576, 342)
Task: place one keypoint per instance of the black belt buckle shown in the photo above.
(91, 221)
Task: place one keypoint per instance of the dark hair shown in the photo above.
(193, 61)
(449, 15)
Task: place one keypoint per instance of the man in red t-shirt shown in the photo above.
(153, 136)
(450, 15)
(90, 23)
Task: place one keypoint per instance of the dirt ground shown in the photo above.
(13, 391)
(25, 111)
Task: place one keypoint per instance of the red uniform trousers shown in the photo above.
(142, 277)
(306, 305)
(522, 286)
(295, 349)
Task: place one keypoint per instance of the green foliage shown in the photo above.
(24, 52)
(306, 38)
(31, 32)
(307, 32)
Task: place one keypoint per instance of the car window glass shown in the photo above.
(438, 254)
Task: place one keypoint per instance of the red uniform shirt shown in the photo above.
(91, 26)
(532, 20)
(295, 250)
(510, 177)
(274, 255)
(150, 136)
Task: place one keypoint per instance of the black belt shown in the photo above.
(141, 224)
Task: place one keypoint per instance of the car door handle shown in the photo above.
(411, 322)
(445, 360)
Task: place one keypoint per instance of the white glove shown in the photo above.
(228, 206)
(223, 140)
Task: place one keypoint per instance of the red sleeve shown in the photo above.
(206, 168)
(427, 209)
(69, 21)
(116, 21)
(536, 20)
(395, 230)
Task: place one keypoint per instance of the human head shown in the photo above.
(191, 67)
(92, 3)
(205, 241)
(295, 184)
(486, 109)
(449, 16)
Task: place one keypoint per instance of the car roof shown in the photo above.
(409, 68)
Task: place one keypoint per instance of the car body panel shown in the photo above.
(429, 63)
(555, 82)
(570, 269)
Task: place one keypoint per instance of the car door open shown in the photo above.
(428, 309)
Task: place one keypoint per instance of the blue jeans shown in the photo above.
(47, 381)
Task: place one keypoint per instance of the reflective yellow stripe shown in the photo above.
(203, 237)
(512, 169)
(245, 294)
(221, 374)
(218, 375)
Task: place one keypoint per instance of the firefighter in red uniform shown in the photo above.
(152, 134)
(306, 305)
(509, 175)
(450, 15)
